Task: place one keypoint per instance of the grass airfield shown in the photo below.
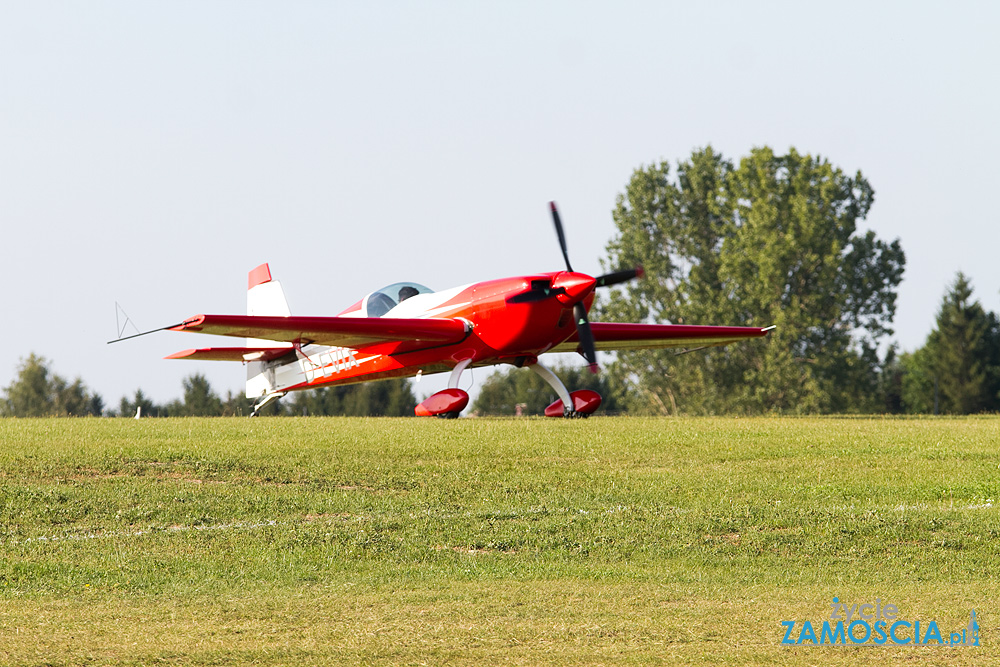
(284, 541)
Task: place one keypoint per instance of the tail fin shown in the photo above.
(264, 297)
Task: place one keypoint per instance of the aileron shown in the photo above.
(610, 336)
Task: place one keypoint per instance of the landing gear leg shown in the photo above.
(456, 373)
(556, 384)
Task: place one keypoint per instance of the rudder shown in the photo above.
(264, 297)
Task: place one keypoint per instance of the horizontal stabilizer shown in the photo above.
(231, 353)
(610, 336)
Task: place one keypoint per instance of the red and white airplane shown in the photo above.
(406, 329)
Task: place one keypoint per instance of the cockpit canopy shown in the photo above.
(380, 302)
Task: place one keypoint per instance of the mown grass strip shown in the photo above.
(284, 541)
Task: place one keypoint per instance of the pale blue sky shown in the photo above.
(152, 153)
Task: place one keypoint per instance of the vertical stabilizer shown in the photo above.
(264, 297)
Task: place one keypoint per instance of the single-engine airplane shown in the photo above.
(406, 329)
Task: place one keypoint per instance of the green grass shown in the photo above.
(601, 541)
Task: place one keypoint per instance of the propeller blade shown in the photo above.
(583, 330)
(559, 232)
(586, 336)
(617, 277)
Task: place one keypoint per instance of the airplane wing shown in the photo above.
(380, 335)
(611, 336)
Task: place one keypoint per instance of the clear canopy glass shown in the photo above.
(382, 301)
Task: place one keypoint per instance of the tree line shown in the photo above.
(768, 240)
(956, 371)
(36, 391)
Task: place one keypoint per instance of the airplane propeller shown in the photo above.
(586, 336)
(562, 236)
(583, 330)
(571, 289)
(616, 277)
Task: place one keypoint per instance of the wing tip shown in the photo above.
(191, 323)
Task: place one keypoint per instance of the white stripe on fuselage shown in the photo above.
(330, 361)
(430, 305)
(334, 360)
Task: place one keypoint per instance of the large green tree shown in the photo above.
(38, 392)
(772, 240)
(919, 387)
(957, 371)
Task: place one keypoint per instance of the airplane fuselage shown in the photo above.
(498, 331)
